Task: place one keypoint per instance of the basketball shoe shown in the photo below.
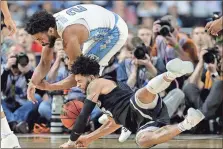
(125, 133)
(193, 118)
(177, 68)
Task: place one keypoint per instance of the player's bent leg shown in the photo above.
(175, 68)
(8, 139)
(152, 135)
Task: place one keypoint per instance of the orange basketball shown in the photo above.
(70, 112)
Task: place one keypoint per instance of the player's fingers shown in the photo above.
(208, 25)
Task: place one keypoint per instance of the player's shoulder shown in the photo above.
(99, 83)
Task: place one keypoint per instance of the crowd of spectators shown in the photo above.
(201, 89)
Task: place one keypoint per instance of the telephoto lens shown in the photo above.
(56, 125)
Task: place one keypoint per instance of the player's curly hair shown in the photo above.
(40, 22)
(85, 66)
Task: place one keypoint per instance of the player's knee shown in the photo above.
(146, 141)
(178, 93)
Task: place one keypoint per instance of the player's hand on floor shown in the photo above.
(82, 142)
(43, 85)
(68, 145)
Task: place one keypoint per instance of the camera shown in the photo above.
(21, 59)
(140, 50)
(211, 55)
(165, 29)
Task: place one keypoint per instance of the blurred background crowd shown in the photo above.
(187, 39)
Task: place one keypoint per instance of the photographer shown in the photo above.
(205, 92)
(17, 108)
(169, 43)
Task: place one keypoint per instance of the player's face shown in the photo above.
(43, 38)
(82, 82)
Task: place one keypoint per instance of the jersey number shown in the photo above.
(77, 9)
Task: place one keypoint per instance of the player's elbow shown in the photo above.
(146, 141)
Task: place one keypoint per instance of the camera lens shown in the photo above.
(23, 59)
(208, 58)
(164, 31)
(139, 53)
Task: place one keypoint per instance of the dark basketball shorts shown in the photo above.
(154, 115)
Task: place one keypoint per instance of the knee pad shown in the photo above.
(157, 84)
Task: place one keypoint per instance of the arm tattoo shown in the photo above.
(89, 90)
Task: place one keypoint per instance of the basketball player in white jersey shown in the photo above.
(85, 29)
(8, 27)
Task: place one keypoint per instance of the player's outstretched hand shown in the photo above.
(82, 142)
(68, 145)
(214, 27)
(10, 25)
(31, 93)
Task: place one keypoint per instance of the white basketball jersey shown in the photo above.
(95, 17)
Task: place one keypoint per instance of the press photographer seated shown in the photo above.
(17, 108)
(204, 88)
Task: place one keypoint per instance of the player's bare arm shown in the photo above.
(106, 129)
(93, 92)
(7, 18)
(40, 72)
(73, 37)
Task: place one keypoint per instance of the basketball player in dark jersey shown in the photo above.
(143, 112)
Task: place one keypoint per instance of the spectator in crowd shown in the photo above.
(17, 108)
(125, 12)
(205, 92)
(147, 9)
(24, 39)
(182, 7)
(32, 60)
(147, 22)
(201, 39)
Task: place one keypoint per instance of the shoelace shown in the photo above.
(125, 129)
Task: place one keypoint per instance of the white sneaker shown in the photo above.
(125, 133)
(10, 141)
(193, 118)
(179, 67)
(103, 119)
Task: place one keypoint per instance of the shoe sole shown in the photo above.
(180, 66)
(198, 114)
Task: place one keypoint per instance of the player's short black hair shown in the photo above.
(85, 66)
(40, 22)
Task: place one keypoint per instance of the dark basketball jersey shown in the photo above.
(116, 103)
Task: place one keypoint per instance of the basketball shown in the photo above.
(70, 112)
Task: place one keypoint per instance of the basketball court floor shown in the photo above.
(111, 141)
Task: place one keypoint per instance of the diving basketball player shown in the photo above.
(85, 29)
(143, 112)
(8, 27)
